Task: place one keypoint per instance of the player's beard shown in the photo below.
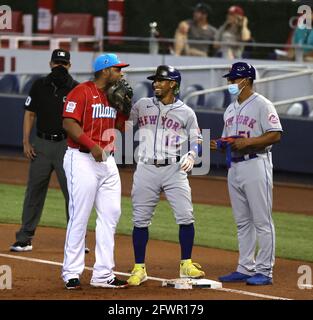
(158, 94)
(112, 80)
(59, 76)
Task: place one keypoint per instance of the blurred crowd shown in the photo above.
(233, 39)
(234, 29)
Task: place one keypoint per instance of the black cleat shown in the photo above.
(19, 246)
(73, 284)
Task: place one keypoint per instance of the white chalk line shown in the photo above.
(306, 286)
(257, 295)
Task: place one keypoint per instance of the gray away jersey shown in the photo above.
(163, 129)
(254, 117)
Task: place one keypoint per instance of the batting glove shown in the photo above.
(187, 161)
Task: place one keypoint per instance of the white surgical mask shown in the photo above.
(234, 88)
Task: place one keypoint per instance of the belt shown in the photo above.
(84, 150)
(244, 157)
(51, 137)
(87, 151)
(162, 162)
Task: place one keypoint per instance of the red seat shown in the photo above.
(17, 22)
(17, 26)
(74, 24)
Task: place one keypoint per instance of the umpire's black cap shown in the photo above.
(60, 55)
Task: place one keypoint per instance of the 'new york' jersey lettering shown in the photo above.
(163, 128)
(241, 119)
(252, 118)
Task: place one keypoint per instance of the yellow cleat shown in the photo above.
(138, 275)
(189, 269)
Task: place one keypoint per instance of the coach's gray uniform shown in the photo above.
(162, 131)
(250, 183)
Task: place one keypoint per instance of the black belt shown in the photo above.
(51, 137)
(84, 150)
(162, 162)
(245, 157)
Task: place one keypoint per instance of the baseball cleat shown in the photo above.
(138, 275)
(113, 283)
(73, 284)
(19, 246)
(259, 279)
(234, 277)
(189, 269)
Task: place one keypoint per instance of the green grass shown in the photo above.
(215, 226)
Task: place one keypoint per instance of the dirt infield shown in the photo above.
(41, 280)
(34, 280)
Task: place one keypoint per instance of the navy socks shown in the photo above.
(141, 237)
(140, 240)
(186, 237)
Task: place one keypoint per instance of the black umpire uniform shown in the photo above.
(45, 104)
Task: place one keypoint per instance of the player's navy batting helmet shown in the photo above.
(166, 73)
(240, 70)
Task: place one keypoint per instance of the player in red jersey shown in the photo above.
(92, 176)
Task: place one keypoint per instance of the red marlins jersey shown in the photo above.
(89, 106)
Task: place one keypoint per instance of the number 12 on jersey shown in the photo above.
(171, 140)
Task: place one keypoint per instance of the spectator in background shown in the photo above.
(234, 29)
(302, 36)
(197, 28)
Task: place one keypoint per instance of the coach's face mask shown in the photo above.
(234, 88)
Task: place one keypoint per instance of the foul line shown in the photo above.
(305, 286)
(258, 295)
(247, 293)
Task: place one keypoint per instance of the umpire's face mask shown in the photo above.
(59, 75)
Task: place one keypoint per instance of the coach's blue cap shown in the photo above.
(240, 70)
(107, 61)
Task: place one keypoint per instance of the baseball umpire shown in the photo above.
(44, 104)
(165, 123)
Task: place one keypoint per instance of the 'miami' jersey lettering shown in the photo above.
(101, 111)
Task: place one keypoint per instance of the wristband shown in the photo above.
(196, 148)
(85, 141)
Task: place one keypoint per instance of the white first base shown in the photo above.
(192, 283)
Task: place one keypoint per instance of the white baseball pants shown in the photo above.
(97, 184)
